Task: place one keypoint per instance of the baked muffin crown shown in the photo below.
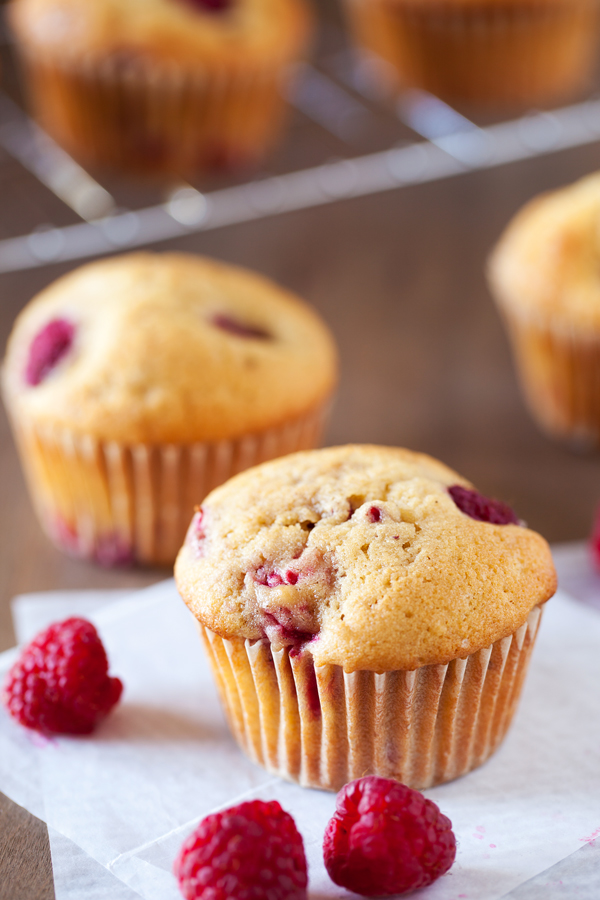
(547, 262)
(361, 556)
(160, 348)
(179, 31)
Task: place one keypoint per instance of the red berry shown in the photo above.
(228, 323)
(374, 514)
(475, 505)
(60, 683)
(385, 838)
(47, 349)
(248, 852)
(270, 578)
(211, 5)
(595, 541)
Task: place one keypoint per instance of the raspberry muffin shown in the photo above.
(486, 52)
(365, 611)
(137, 384)
(170, 86)
(544, 274)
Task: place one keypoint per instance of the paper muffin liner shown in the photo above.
(559, 374)
(322, 727)
(482, 53)
(125, 112)
(119, 504)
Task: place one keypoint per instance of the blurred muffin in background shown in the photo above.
(160, 86)
(135, 385)
(545, 275)
(482, 52)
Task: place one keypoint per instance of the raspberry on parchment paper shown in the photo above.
(248, 852)
(386, 838)
(60, 683)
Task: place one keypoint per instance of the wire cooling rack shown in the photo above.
(338, 117)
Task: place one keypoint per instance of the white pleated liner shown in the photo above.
(160, 117)
(118, 503)
(322, 727)
(483, 51)
(559, 373)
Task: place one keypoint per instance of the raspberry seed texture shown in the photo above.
(251, 852)
(385, 838)
(60, 683)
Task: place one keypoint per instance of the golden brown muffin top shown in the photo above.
(180, 32)
(524, 5)
(159, 348)
(361, 556)
(547, 263)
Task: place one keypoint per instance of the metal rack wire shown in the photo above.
(437, 142)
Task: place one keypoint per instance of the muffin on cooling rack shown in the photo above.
(171, 86)
(545, 275)
(484, 52)
(137, 384)
(365, 611)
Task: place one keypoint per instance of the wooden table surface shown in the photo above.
(424, 364)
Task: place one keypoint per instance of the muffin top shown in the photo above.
(367, 557)
(529, 5)
(547, 263)
(161, 348)
(188, 33)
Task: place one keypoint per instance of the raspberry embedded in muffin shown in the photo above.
(47, 349)
(282, 627)
(374, 514)
(197, 531)
(271, 578)
(480, 508)
(240, 329)
(211, 5)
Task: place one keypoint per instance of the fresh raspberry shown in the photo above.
(475, 505)
(595, 540)
(47, 349)
(60, 683)
(385, 838)
(251, 852)
(240, 329)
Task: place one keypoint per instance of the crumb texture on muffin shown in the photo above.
(360, 556)
(547, 263)
(168, 348)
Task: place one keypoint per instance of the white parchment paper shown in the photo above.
(19, 771)
(164, 759)
(76, 875)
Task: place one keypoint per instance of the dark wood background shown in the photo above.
(424, 364)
